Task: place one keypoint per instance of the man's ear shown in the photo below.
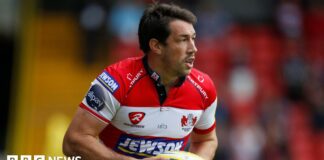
(155, 46)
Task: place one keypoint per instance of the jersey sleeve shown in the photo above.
(103, 98)
(207, 121)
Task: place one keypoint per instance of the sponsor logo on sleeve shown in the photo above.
(145, 147)
(95, 97)
(108, 81)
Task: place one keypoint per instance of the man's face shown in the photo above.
(178, 54)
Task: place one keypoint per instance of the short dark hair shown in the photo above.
(155, 21)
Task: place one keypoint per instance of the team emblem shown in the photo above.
(136, 117)
(187, 122)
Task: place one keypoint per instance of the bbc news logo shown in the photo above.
(41, 157)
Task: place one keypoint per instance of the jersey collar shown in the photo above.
(156, 77)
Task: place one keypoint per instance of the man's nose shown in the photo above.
(193, 47)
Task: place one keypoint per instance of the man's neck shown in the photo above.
(166, 78)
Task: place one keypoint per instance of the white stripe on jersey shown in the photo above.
(163, 121)
(208, 117)
(157, 121)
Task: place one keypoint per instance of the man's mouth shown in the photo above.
(189, 62)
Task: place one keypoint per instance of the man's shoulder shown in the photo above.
(128, 65)
(126, 72)
(203, 83)
(201, 78)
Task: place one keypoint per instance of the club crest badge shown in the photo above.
(187, 122)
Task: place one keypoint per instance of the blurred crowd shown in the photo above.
(266, 59)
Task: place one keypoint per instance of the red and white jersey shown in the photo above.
(143, 120)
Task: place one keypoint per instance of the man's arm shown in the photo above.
(204, 145)
(81, 139)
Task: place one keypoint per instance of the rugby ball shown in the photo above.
(179, 155)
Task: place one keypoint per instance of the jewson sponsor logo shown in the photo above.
(41, 157)
(141, 147)
(108, 81)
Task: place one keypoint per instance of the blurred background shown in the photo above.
(265, 57)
